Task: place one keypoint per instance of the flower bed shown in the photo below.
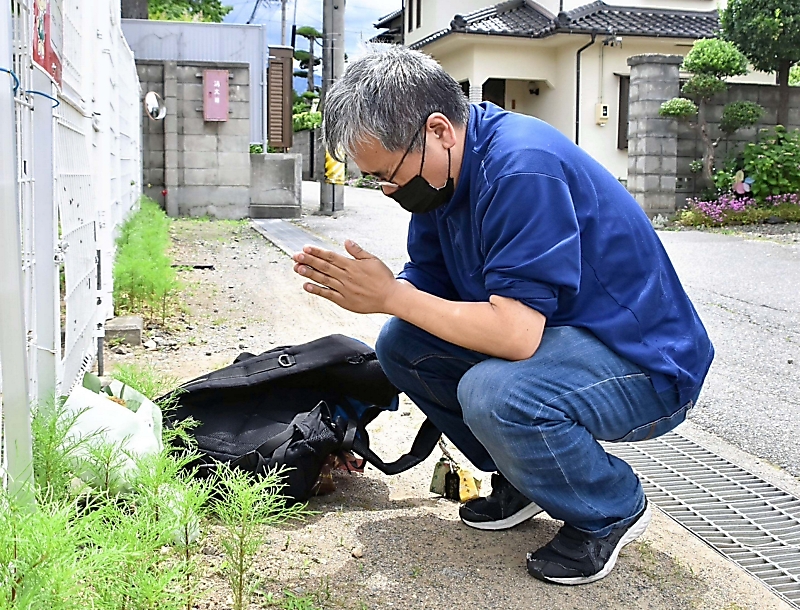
(731, 209)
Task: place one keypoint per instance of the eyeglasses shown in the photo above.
(375, 180)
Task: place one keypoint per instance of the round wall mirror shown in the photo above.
(154, 105)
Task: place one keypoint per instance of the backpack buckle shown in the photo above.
(286, 360)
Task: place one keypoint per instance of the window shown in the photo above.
(622, 114)
(410, 11)
(419, 13)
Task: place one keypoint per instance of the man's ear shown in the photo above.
(442, 128)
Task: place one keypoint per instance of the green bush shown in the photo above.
(715, 57)
(678, 108)
(773, 163)
(740, 114)
(306, 120)
(144, 280)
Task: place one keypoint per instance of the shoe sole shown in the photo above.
(636, 530)
(531, 510)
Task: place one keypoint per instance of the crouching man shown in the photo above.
(538, 313)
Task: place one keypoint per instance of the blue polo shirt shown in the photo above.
(536, 219)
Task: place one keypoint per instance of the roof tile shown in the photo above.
(520, 19)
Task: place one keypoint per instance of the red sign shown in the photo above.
(215, 95)
(47, 38)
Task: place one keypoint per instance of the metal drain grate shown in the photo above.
(750, 521)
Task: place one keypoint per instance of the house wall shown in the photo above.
(437, 15)
(603, 87)
(460, 65)
(551, 64)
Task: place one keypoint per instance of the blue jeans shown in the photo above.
(537, 421)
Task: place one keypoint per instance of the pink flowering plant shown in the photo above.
(732, 209)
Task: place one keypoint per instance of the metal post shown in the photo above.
(331, 196)
(13, 351)
(48, 328)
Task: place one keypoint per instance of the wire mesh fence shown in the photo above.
(77, 135)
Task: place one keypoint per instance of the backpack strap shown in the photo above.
(427, 438)
(423, 445)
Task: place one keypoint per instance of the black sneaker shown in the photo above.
(504, 508)
(574, 558)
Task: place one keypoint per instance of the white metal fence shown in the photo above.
(78, 176)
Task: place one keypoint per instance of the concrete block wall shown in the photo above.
(690, 146)
(275, 185)
(151, 78)
(302, 144)
(652, 140)
(203, 165)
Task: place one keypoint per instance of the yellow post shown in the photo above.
(334, 170)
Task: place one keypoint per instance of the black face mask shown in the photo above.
(418, 196)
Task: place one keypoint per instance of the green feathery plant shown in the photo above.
(144, 279)
(103, 548)
(245, 506)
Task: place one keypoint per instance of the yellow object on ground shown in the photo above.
(469, 488)
(334, 170)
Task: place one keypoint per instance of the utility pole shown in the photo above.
(283, 22)
(331, 194)
(13, 341)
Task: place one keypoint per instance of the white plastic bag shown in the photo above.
(134, 430)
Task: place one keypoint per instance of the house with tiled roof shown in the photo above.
(560, 60)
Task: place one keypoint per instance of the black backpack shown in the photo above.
(294, 406)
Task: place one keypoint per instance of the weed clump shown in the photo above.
(138, 549)
(144, 280)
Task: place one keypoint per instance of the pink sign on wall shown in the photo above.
(215, 95)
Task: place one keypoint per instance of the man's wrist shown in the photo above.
(396, 301)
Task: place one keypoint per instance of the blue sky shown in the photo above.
(360, 15)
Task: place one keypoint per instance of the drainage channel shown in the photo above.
(745, 518)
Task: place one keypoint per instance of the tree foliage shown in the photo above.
(308, 59)
(188, 10)
(304, 57)
(306, 31)
(715, 57)
(710, 61)
(768, 33)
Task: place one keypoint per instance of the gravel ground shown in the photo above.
(784, 233)
(386, 542)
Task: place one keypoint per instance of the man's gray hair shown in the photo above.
(387, 94)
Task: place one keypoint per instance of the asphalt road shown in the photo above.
(747, 292)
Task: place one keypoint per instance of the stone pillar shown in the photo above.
(475, 93)
(653, 140)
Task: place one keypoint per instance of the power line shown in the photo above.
(255, 9)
